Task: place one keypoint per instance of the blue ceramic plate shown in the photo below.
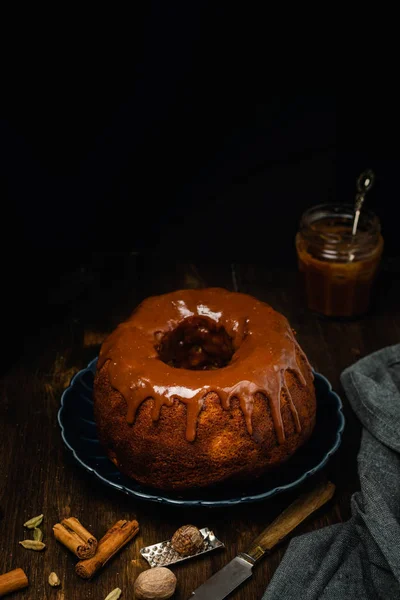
(78, 431)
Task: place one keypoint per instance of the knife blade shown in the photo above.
(225, 580)
(222, 583)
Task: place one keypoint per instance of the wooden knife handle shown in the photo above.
(291, 517)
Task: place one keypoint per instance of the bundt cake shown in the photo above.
(200, 387)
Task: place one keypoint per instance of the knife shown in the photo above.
(221, 584)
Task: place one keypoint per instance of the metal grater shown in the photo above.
(162, 554)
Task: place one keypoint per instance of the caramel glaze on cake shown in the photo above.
(202, 386)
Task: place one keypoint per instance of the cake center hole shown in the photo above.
(197, 343)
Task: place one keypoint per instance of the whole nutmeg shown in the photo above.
(187, 540)
(158, 583)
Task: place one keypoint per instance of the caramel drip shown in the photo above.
(291, 404)
(298, 372)
(265, 349)
(193, 410)
(247, 404)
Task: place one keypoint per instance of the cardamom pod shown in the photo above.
(54, 580)
(34, 522)
(33, 544)
(114, 595)
(37, 534)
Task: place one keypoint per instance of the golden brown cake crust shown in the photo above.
(233, 439)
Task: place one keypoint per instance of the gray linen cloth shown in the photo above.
(360, 558)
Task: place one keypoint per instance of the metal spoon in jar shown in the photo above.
(364, 184)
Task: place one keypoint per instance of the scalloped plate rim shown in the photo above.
(208, 503)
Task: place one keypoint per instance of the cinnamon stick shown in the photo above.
(13, 581)
(75, 537)
(115, 539)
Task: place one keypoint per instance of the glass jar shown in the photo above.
(338, 268)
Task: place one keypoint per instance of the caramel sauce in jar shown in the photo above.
(338, 269)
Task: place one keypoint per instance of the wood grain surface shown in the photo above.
(38, 475)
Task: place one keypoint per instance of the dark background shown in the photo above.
(182, 131)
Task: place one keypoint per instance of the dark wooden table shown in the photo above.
(37, 474)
